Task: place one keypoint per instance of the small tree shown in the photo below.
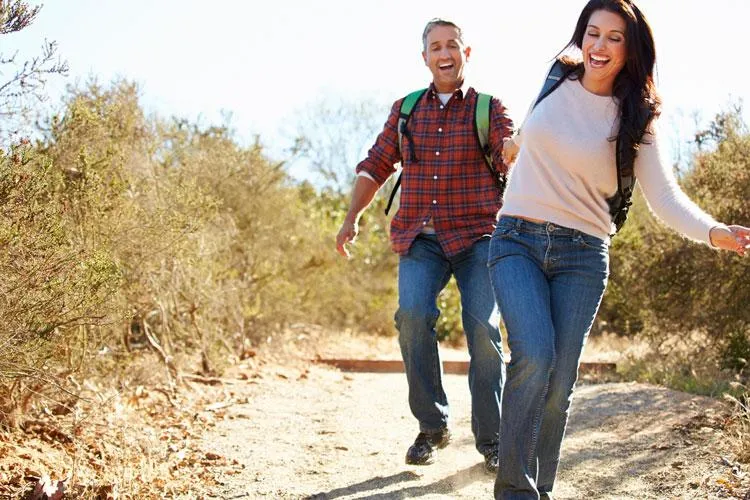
(22, 83)
(332, 136)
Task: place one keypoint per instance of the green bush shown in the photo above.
(665, 285)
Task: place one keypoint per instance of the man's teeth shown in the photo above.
(446, 66)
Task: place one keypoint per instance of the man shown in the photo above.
(449, 200)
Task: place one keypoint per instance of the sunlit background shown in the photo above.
(258, 64)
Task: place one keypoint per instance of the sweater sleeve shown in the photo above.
(665, 197)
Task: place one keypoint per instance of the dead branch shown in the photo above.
(169, 398)
(208, 380)
(152, 340)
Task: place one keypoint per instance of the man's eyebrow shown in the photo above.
(452, 40)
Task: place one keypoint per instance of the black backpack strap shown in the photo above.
(620, 202)
(407, 107)
(393, 194)
(556, 76)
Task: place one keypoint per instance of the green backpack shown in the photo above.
(481, 128)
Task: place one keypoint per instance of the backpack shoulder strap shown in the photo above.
(410, 102)
(407, 106)
(556, 76)
(482, 123)
(620, 203)
(482, 118)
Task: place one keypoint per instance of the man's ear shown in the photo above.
(424, 56)
(467, 52)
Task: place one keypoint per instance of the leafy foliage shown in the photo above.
(121, 231)
(663, 284)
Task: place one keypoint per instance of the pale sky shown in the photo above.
(264, 60)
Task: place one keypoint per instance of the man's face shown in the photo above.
(446, 56)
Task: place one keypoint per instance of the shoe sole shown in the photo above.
(431, 460)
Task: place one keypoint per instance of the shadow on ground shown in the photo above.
(444, 486)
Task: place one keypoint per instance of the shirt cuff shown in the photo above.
(365, 174)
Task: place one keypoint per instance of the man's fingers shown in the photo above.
(340, 242)
(342, 239)
(342, 250)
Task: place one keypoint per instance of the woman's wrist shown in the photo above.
(712, 233)
(716, 232)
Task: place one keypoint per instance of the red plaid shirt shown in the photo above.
(449, 182)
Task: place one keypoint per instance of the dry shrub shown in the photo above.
(123, 232)
(739, 427)
(50, 288)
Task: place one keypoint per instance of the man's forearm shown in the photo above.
(362, 195)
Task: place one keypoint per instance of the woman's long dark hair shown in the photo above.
(634, 86)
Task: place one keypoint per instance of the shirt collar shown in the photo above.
(459, 93)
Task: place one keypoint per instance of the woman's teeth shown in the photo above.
(598, 61)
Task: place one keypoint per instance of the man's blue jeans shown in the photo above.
(422, 274)
(548, 281)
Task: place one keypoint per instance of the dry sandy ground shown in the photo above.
(315, 432)
(279, 426)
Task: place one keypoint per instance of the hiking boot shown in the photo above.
(491, 461)
(422, 452)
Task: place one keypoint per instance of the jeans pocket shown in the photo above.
(587, 241)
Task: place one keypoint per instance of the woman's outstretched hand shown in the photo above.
(733, 238)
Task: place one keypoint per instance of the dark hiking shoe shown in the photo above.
(491, 461)
(422, 452)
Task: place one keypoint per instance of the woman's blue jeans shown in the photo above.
(422, 274)
(548, 281)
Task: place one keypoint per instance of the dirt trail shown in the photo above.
(315, 432)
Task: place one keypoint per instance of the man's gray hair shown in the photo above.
(440, 22)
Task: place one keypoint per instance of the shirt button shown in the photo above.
(437, 153)
(442, 107)
(424, 222)
(434, 177)
(440, 129)
(434, 202)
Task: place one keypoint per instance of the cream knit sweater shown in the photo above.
(566, 169)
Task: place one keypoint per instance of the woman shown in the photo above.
(549, 253)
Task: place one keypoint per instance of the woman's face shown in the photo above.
(604, 51)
